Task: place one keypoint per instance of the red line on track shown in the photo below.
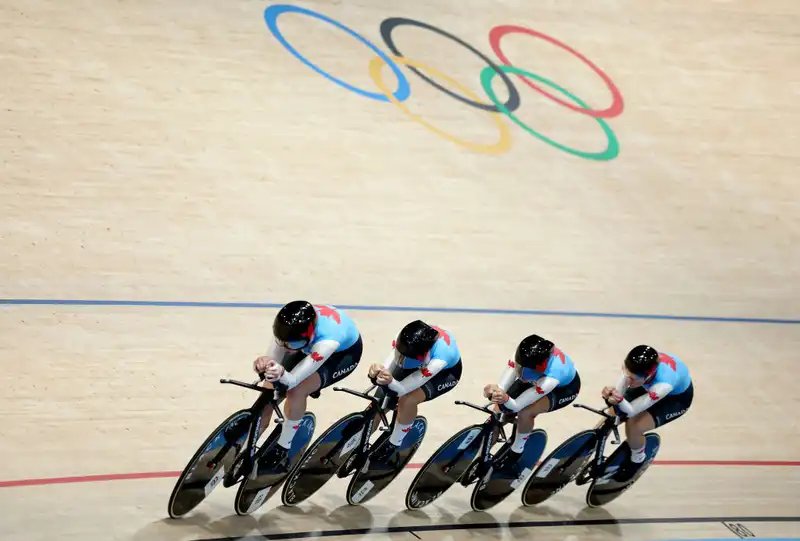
(162, 474)
(88, 478)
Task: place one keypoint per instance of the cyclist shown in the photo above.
(540, 379)
(424, 364)
(314, 346)
(654, 389)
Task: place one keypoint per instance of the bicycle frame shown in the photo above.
(375, 407)
(494, 421)
(598, 441)
(267, 397)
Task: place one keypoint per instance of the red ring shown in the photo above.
(616, 107)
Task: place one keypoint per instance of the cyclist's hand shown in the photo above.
(384, 377)
(261, 364)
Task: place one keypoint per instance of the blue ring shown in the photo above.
(271, 17)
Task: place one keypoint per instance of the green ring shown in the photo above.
(611, 151)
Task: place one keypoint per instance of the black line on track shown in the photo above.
(496, 525)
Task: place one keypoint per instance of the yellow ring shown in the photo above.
(503, 145)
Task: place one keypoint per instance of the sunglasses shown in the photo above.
(410, 362)
(294, 344)
(636, 377)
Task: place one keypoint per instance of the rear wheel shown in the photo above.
(444, 467)
(323, 459)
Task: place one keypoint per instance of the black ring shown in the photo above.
(388, 25)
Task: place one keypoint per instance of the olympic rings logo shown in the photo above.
(467, 96)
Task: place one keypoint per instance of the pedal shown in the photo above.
(467, 480)
(471, 474)
(253, 473)
(347, 468)
(233, 477)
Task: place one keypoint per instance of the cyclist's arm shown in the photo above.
(320, 353)
(390, 360)
(276, 352)
(640, 404)
(418, 378)
(508, 378)
(541, 388)
(623, 383)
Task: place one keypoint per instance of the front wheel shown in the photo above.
(207, 467)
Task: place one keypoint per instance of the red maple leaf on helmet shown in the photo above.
(663, 358)
(560, 354)
(444, 334)
(653, 395)
(309, 331)
(394, 344)
(543, 366)
(425, 372)
(327, 311)
(316, 356)
(511, 364)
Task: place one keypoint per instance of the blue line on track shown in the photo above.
(373, 308)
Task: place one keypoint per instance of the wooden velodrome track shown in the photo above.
(172, 172)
